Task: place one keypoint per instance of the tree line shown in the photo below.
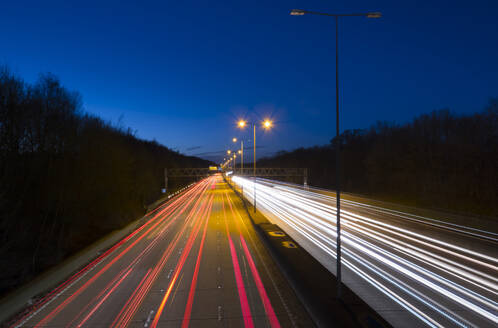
(438, 160)
(66, 177)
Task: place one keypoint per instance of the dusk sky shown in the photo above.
(183, 72)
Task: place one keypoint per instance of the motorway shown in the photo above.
(195, 262)
(414, 271)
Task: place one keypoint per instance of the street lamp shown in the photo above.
(241, 152)
(300, 12)
(266, 124)
(227, 163)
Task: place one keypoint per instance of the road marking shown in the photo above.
(170, 272)
(276, 233)
(220, 313)
(148, 318)
(110, 291)
(58, 294)
(289, 244)
(179, 266)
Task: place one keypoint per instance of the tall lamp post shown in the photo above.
(228, 153)
(267, 124)
(234, 166)
(241, 153)
(300, 12)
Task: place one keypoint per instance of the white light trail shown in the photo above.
(415, 270)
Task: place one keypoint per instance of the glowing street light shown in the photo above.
(267, 124)
(375, 14)
(297, 12)
(242, 149)
(229, 152)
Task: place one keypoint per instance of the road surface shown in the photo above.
(195, 263)
(414, 271)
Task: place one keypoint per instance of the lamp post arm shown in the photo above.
(300, 12)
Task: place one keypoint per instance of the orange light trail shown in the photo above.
(181, 262)
(138, 299)
(131, 298)
(244, 304)
(190, 300)
(97, 306)
(179, 200)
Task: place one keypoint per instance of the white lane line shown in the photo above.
(148, 318)
(220, 313)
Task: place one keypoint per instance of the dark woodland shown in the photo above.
(67, 178)
(438, 160)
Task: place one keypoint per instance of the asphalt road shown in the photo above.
(196, 262)
(414, 271)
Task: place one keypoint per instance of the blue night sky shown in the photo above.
(183, 72)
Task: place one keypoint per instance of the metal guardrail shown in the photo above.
(272, 172)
